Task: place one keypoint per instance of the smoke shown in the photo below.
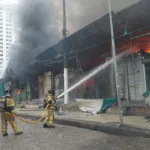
(40, 23)
(38, 30)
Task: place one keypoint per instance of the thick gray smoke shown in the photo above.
(41, 24)
(38, 31)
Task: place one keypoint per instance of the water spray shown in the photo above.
(92, 73)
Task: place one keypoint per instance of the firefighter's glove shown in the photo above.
(56, 108)
(44, 105)
(13, 116)
(55, 100)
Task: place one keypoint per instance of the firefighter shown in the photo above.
(5, 118)
(49, 121)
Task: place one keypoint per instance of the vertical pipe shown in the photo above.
(112, 81)
(115, 61)
(133, 62)
(66, 100)
(64, 18)
(144, 71)
(26, 89)
(66, 95)
(127, 77)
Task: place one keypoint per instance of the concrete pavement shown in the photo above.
(133, 125)
(68, 138)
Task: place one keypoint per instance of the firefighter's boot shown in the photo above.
(45, 125)
(19, 133)
(5, 134)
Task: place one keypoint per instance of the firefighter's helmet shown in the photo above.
(51, 92)
(7, 92)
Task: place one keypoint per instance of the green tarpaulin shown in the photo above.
(146, 94)
(2, 93)
(107, 103)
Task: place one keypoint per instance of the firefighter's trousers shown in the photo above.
(50, 117)
(5, 118)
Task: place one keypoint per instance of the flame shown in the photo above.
(147, 50)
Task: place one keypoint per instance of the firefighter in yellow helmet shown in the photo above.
(49, 121)
(5, 118)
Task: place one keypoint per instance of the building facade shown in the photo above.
(7, 33)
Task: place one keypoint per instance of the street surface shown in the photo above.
(68, 138)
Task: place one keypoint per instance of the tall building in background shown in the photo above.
(6, 33)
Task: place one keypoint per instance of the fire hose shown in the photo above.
(30, 122)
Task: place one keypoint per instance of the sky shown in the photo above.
(83, 12)
(10, 1)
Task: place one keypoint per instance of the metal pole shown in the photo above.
(64, 32)
(115, 61)
(64, 19)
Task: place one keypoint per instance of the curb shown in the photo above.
(102, 127)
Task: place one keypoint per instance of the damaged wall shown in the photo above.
(131, 75)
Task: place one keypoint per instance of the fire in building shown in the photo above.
(90, 47)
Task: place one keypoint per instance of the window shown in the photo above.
(9, 18)
(8, 32)
(8, 25)
(8, 36)
(7, 47)
(8, 29)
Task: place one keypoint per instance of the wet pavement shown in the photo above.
(68, 138)
(135, 121)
